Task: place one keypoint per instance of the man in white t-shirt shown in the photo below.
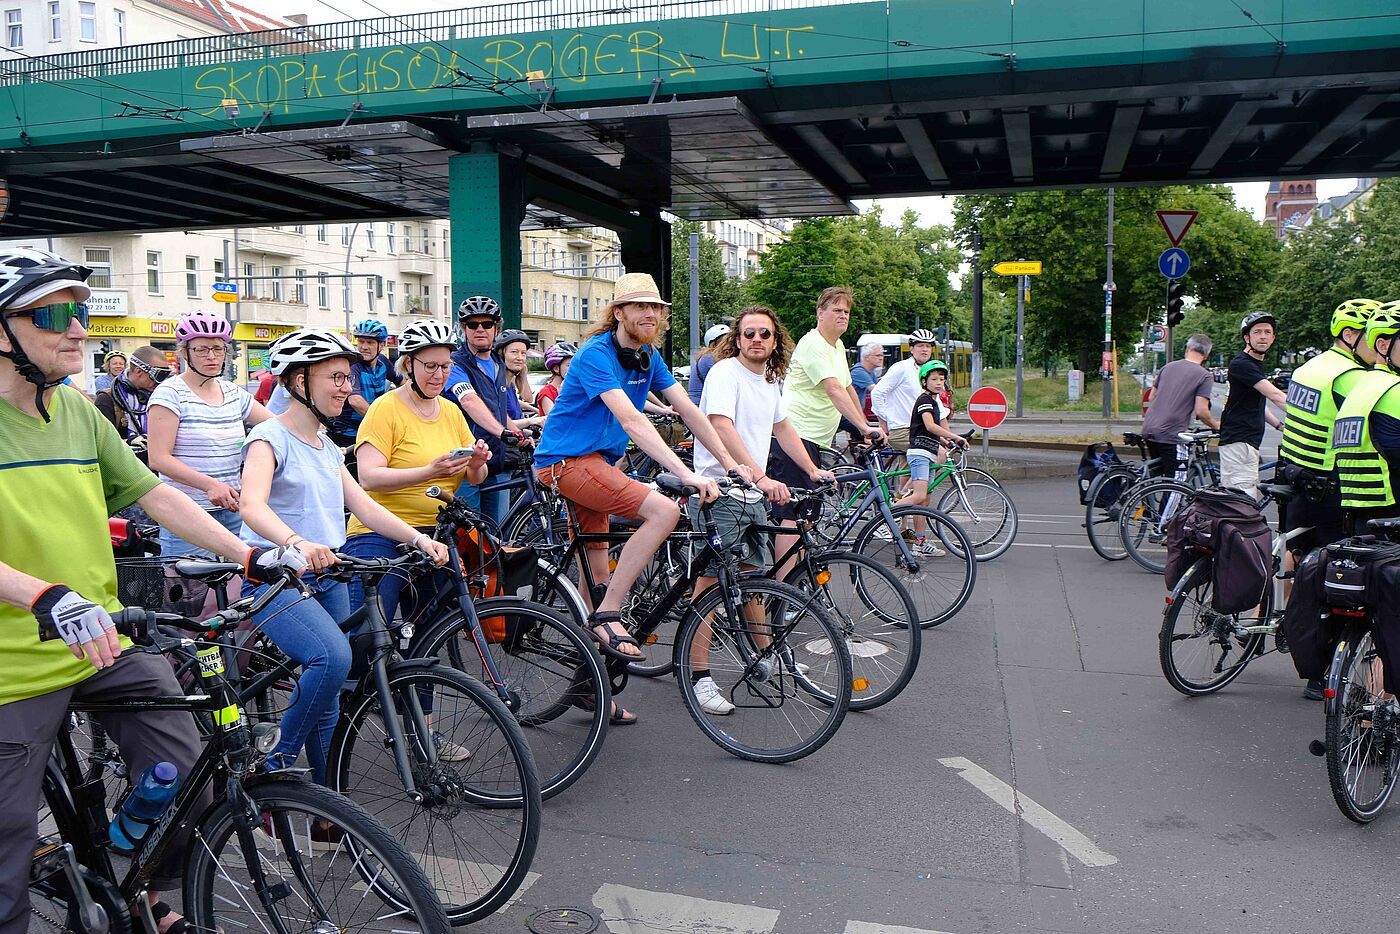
(742, 402)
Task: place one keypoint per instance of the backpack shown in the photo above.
(1097, 458)
(1228, 525)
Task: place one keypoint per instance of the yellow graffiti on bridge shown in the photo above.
(576, 57)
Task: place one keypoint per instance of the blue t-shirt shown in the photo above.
(580, 422)
(861, 381)
(697, 376)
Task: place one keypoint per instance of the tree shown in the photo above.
(899, 274)
(721, 295)
(1065, 230)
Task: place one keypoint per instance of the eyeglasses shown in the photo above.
(58, 316)
(215, 350)
(158, 374)
(434, 367)
(339, 379)
(751, 333)
(478, 325)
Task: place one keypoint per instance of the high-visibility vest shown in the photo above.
(1364, 473)
(1312, 410)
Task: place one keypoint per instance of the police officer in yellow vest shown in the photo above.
(1315, 391)
(1366, 437)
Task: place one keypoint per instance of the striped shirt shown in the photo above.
(209, 438)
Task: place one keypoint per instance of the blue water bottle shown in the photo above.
(143, 806)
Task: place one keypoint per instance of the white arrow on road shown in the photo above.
(1072, 841)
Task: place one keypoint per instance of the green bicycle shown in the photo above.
(980, 506)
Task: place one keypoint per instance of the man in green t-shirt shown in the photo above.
(63, 471)
(817, 393)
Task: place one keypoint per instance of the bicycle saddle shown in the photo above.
(208, 572)
(1133, 439)
(1384, 526)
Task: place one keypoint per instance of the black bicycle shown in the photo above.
(428, 750)
(272, 852)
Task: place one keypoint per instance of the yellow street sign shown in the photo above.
(225, 296)
(1017, 269)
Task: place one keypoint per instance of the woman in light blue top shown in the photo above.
(294, 493)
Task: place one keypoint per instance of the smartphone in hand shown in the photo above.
(461, 452)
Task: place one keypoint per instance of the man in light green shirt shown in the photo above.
(818, 389)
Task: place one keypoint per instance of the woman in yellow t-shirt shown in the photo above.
(408, 441)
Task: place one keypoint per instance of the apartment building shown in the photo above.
(743, 242)
(291, 276)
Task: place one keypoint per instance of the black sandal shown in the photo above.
(609, 645)
(159, 910)
(621, 716)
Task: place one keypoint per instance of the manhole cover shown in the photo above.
(563, 921)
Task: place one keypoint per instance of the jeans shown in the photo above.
(374, 545)
(171, 545)
(308, 631)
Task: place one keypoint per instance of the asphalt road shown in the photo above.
(1137, 810)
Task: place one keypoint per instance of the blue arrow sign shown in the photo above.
(1174, 263)
(226, 287)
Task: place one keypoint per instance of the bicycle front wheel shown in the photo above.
(552, 676)
(783, 666)
(940, 576)
(876, 616)
(1142, 522)
(1362, 743)
(986, 514)
(1201, 650)
(477, 822)
(1103, 506)
(327, 866)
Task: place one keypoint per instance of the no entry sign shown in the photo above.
(987, 407)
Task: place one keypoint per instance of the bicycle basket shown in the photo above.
(152, 584)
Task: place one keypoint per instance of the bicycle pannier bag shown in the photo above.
(1229, 526)
(1097, 457)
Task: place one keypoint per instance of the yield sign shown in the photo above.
(1176, 223)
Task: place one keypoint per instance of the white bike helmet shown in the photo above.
(922, 336)
(479, 305)
(424, 334)
(715, 332)
(307, 346)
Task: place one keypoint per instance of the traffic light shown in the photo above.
(941, 333)
(1176, 295)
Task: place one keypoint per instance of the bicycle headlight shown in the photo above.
(406, 631)
(266, 736)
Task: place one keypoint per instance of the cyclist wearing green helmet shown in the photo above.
(1366, 437)
(1315, 393)
(928, 435)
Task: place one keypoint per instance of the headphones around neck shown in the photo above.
(638, 361)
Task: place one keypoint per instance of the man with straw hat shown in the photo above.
(599, 409)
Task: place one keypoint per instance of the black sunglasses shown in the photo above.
(764, 333)
(478, 325)
(158, 374)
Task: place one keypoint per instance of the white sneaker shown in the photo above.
(928, 549)
(882, 534)
(770, 669)
(450, 752)
(712, 701)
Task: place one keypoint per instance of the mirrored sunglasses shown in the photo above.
(158, 374)
(58, 316)
(750, 333)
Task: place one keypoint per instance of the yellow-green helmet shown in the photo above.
(1385, 322)
(1353, 313)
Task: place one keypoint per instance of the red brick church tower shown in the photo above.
(1290, 202)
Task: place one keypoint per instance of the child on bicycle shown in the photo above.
(929, 437)
(295, 490)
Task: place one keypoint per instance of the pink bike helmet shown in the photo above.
(203, 324)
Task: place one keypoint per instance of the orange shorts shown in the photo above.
(596, 490)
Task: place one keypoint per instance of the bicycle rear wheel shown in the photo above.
(1362, 744)
(330, 865)
(1201, 650)
(874, 613)
(1143, 521)
(784, 667)
(1101, 511)
(557, 687)
(940, 584)
(986, 514)
(476, 828)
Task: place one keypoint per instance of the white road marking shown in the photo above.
(1046, 545)
(638, 911)
(1072, 841)
(869, 927)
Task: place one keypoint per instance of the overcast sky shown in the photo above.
(933, 210)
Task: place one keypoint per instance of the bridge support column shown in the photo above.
(486, 205)
(646, 247)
